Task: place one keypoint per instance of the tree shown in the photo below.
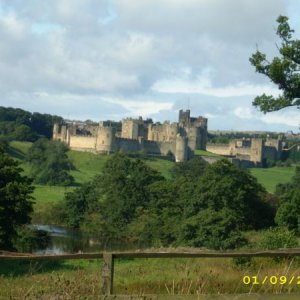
(50, 163)
(288, 213)
(282, 70)
(213, 229)
(15, 200)
(225, 186)
(191, 169)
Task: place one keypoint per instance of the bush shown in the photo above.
(29, 239)
(277, 238)
(213, 230)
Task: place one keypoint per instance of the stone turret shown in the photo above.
(55, 132)
(256, 152)
(184, 118)
(181, 150)
(105, 139)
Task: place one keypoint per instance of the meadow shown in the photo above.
(146, 276)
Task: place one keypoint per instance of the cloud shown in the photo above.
(286, 117)
(118, 57)
(205, 87)
(144, 108)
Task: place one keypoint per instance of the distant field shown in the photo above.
(270, 177)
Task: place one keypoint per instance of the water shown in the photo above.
(65, 240)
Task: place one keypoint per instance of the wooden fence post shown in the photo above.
(107, 274)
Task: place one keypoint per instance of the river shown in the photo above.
(65, 240)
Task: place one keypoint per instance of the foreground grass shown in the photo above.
(144, 276)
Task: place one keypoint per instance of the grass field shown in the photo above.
(270, 177)
(206, 153)
(144, 276)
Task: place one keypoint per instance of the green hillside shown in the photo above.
(87, 165)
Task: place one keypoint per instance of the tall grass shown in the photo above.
(150, 276)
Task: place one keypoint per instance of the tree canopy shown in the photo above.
(18, 124)
(15, 199)
(282, 70)
(50, 163)
(201, 205)
(288, 213)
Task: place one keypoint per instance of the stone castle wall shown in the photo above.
(221, 149)
(179, 139)
(255, 151)
(82, 142)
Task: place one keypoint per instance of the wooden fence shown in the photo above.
(108, 258)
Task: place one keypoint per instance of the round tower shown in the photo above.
(193, 136)
(55, 131)
(181, 151)
(105, 139)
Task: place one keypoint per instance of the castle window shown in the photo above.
(107, 135)
(102, 142)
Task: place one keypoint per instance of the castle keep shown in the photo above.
(179, 139)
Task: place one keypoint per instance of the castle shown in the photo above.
(249, 152)
(179, 139)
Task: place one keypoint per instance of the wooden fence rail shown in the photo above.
(108, 258)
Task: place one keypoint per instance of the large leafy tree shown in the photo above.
(50, 163)
(15, 199)
(282, 70)
(226, 200)
(288, 213)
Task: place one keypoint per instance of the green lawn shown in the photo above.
(87, 165)
(206, 153)
(270, 177)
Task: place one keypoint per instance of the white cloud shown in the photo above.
(204, 86)
(144, 108)
(286, 117)
(291, 118)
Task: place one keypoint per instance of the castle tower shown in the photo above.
(193, 137)
(184, 118)
(181, 151)
(256, 152)
(55, 131)
(63, 133)
(105, 142)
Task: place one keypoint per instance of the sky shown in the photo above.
(111, 59)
